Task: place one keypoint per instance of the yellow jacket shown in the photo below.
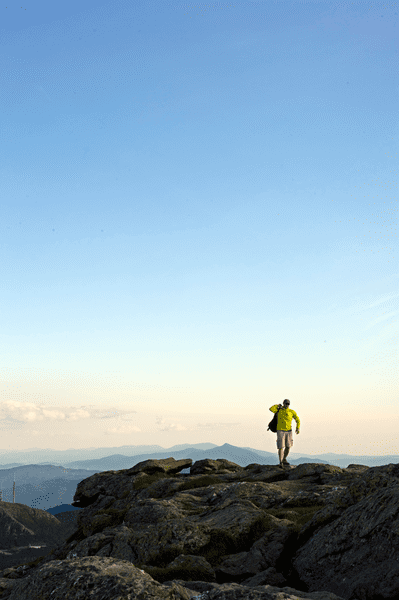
(285, 417)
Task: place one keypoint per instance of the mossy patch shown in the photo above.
(220, 543)
(164, 557)
(304, 514)
(77, 535)
(168, 574)
(107, 517)
(257, 529)
(190, 506)
(199, 482)
(145, 480)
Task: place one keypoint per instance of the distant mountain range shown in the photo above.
(51, 486)
(73, 457)
(40, 456)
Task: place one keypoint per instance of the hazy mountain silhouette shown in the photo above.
(40, 456)
(55, 510)
(238, 455)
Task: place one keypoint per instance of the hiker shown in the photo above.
(284, 430)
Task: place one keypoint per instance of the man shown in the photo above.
(284, 430)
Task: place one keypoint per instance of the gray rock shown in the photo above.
(208, 465)
(164, 465)
(192, 565)
(357, 554)
(263, 554)
(92, 577)
(267, 577)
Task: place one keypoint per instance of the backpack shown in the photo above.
(273, 423)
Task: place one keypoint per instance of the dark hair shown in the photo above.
(286, 400)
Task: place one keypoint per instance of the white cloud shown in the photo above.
(173, 427)
(122, 429)
(78, 415)
(29, 412)
(166, 425)
(215, 425)
(25, 411)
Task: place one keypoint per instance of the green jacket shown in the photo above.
(285, 417)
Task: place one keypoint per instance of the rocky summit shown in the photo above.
(224, 532)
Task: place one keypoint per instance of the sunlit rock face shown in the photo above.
(225, 532)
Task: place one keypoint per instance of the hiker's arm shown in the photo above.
(275, 408)
(298, 423)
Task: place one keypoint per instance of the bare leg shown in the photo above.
(281, 454)
(286, 452)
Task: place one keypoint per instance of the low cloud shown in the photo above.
(165, 426)
(173, 427)
(216, 425)
(122, 429)
(29, 412)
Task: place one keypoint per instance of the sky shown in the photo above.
(198, 219)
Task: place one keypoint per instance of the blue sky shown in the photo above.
(198, 220)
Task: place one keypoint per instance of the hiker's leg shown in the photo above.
(288, 443)
(280, 445)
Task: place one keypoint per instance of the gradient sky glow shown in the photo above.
(199, 219)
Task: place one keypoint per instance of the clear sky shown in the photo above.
(199, 216)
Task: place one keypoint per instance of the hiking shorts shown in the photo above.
(284, 439)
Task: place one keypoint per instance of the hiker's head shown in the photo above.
(286, 403)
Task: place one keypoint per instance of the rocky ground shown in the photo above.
(224, 532)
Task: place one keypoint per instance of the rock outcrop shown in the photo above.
(225, 532)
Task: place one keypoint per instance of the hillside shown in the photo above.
(26, 533)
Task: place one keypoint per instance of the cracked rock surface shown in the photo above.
(225, 532)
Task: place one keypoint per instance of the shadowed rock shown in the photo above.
(163, 465)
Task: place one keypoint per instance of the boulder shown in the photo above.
(192, 566)
(106, 485)
(208, 465)
(91, 577)
(314, 472)
(234, 591)
(263, 554)
(226, 532)
(356, 555)
(268, 577)
(163, 465)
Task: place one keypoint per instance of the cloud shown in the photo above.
(28, 412)
(381, 318)
(122, 429)
(174, 427)
(170, 426)
(78, 415)
(216, 425)
(164, 425)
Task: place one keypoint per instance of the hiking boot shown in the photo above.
(286, 463)
(281, 465)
